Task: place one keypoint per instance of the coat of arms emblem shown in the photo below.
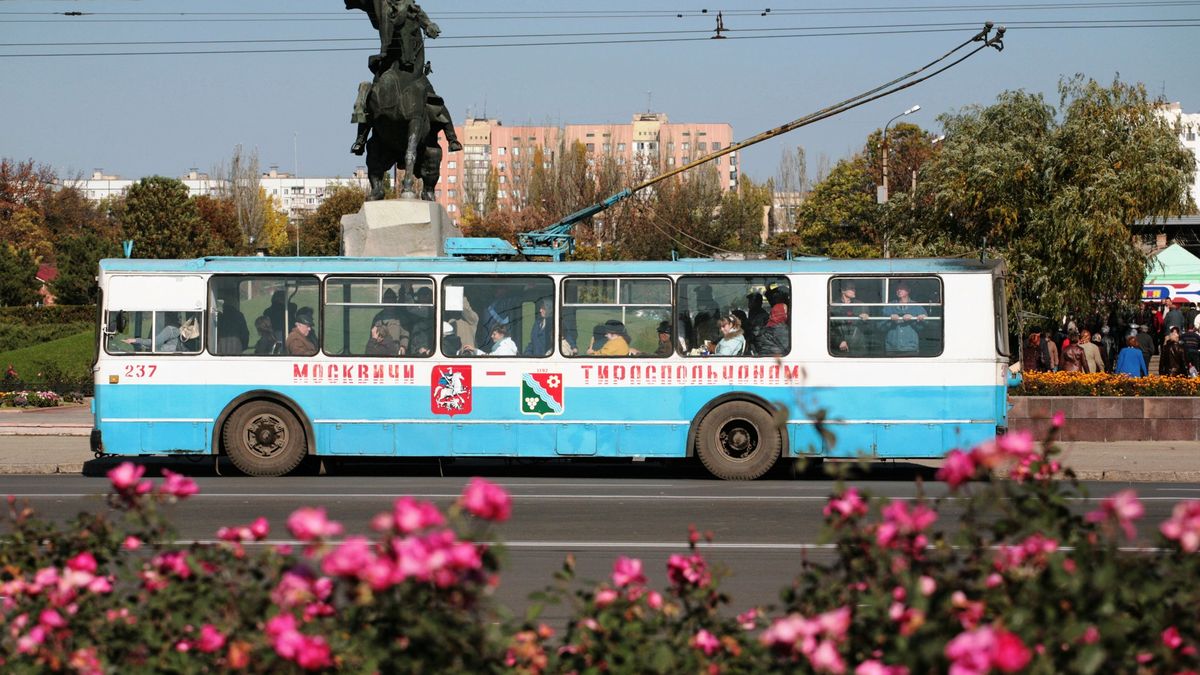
(451, 390)
(542, 394)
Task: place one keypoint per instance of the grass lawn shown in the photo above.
(72, 355)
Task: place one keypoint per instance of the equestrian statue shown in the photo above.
(398, 113)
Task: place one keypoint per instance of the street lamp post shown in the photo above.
(882, 195)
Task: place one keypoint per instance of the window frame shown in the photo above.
(381, 278)
(890, 278)
(203, 321)
(708, 278)
(443, 282)
(211, 317)
(562, 294)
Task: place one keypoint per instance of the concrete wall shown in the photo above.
(1110, 418)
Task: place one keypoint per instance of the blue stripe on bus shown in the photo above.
(880, 421)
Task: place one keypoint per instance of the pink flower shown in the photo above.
(835, 623)
(874, 667)
(1009, 654)
(131, 543)
(125, 479)
(1123, 507)
(210, 640)
(899, 520)
(605, 597)
(748, 620)
(706, 642)
(100, 585)
(1090, 636)
(410, 515)
(314, 653)
(308, 524)
(654, 600)
(688, 570)
(1059, 419)
(51, 619)
(487, 500)
(957, 468)
(927, 586)
(177, 485)
(847, 505)
(825, 659)
(350, 557)
(260, 528)
(1184, 526)
(1171, 638)
(1015, 446)
(627, 571)
(84, 562)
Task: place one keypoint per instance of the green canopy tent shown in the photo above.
(1174, 273)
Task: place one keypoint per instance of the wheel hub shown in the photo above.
(738, 439)
(266, 435)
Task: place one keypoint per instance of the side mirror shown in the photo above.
(116, 323)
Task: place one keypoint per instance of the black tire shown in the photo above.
(738, 441)
(264, 439)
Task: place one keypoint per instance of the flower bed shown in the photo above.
(1014, 581)
(30, 399)
(1104, 384)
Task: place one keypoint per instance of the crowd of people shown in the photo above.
(1170, 330)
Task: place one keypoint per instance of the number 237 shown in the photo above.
(140, 370)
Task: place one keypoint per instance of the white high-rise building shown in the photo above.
(1188, 125)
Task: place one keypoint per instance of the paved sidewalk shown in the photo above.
(62, 447)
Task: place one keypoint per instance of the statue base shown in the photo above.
(397, 228)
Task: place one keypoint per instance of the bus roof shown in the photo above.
(345, 265)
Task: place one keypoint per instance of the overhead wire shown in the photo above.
(1181, 23)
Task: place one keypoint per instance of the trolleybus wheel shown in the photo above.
(738, 441)
(264, 439)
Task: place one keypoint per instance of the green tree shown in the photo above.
(163, 222)
(18, 277)
(78, 257)
(1054, 196)
(840, 217)
(741, 216)
(68, 212)
(321, 229)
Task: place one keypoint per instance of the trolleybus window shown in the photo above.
(497, 316)
(160, 332)
(264, 316)
(367, 316)
(615, 316)
(756, 309)
(885, 317)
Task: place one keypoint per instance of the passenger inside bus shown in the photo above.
(167, 339)
(277, 310)
(541, 335)
(664, 339)
(267, 344)
(233, 336)
(381, 342)
(502, 344)
(616, 340)
(299, 342)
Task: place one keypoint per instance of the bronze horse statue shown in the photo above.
(400, 127)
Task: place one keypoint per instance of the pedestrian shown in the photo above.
(1173, 319)
(1073, 356)
(1093, 362)
(1108, 348)
(1190, 341)
(1130, 360)
(1172, 361)
(1145, 342)
(1031, 359)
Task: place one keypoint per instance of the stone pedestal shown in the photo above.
(397, 227)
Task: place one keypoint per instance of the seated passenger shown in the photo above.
(903, 334)
(732, 343)
(381, 342)
(502, 345)
(168, 338)
(299, 341)
(664, 340)
(846, 328)
(616, 341)
(541, 336)
(267, 344)
(776, 335)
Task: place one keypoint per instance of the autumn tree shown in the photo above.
(18, 277)
(1055, 195)
(219, 215)
(840, 217)
(78, 258)
(163, 221)
(321, 229)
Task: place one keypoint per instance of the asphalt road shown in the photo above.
(761, 529)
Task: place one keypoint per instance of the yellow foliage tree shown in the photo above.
(275, 225)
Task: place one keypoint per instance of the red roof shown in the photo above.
(47, 273)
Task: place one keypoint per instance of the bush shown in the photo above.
(48, 314)
(32, 399)
(1016, 581)
(1104, 384)
(16, 335)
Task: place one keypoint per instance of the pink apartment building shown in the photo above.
(650, 144)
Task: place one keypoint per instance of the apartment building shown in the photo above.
(649, 144)
(294, 195)
(1188, 125)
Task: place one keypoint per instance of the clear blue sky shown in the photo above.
(146, 114)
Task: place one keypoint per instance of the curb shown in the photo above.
(44, 430)
(41, 469)
(1126, 476)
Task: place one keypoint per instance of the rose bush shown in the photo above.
(1000, 575)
